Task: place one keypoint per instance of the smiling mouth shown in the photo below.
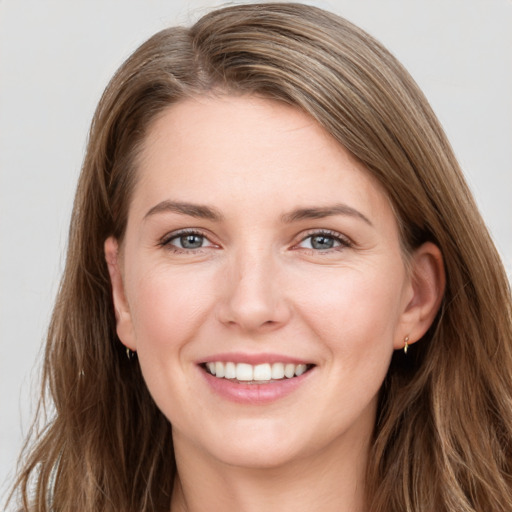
(255, 374)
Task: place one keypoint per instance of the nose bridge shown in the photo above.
(254, 297)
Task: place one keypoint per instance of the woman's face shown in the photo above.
(257, 248)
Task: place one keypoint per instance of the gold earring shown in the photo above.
(129, 353)
(406, 344)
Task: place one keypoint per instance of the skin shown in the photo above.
(258, 285)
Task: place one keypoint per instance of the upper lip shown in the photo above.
(253, 359)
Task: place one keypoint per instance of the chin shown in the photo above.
(256, 456)
(252, 444)
(265, 446)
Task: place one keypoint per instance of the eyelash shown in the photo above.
(342, 241)
(165, 242)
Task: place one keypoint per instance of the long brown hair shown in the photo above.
(443, 435)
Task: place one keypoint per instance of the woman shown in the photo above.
(277, 281)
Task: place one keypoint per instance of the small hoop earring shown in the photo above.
(406, 344)
(129, 354)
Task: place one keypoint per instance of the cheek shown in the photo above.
(167, 308)
(355, 310)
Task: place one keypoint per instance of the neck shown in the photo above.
(331, 480)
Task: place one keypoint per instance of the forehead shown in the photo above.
(223, 147)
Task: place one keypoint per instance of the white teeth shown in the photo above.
(289, 370)
(277, 371)
(262, 372)
(301, 368)
(258, 373)
(219, 370)
(230, 371)
(243, 371)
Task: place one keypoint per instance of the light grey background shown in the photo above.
(57, 56)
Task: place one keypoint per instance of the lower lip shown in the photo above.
(240, 392)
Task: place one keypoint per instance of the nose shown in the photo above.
(254, 295)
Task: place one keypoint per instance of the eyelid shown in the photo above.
(344, 240)
(165, 241)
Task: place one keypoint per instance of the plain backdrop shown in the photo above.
(57, 56)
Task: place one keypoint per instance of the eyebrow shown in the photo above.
(207, 212)
(322, 212)
(190, 209)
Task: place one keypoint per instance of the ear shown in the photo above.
(124, 326)
(426, 290)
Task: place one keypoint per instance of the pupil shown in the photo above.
(191, 241)
(322, 242)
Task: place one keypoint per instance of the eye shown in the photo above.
(324, 241)
(186, 241)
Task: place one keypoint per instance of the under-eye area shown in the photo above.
(258, 374)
